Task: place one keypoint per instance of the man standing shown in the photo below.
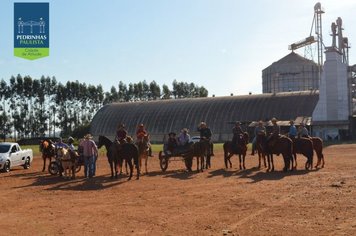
(90, 152)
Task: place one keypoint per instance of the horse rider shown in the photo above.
(60, 144)
(140, 133)
(70, 141)
(260, 129)
(172, 143)
(184, 137)
(276, 130)
(237, 133)
(302, 131)
(292, 130)
(205, 134)
(121, 133)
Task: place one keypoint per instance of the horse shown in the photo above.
(240, 149)
(260, 153)
(47, 149)
(303, 146)
(116, 153)
(280, 145)
(318, 148)
(143, 149)
(199, 150)
(67, 159)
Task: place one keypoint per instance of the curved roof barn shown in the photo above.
(162, 116)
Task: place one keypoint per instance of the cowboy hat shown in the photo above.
(88, 136)
(185, 130)
(172, 133)
(274, 119)
(237, 123)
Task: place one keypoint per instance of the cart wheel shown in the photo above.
(163, 161)
(53, 168)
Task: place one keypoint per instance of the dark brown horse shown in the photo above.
(47, 149)
(280, 145)
(116, 153)
(303, 146)
(260, 153)
(318, 148)
(200, 150)
(240, 149)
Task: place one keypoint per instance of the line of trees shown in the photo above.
(38, 107)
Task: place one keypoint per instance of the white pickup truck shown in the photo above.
(12, 155)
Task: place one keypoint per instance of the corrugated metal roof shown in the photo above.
(163, 116)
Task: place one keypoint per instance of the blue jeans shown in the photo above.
(89, 166)
(94, 165)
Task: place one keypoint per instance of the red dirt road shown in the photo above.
(248, 202)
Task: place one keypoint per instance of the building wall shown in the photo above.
(220, 113)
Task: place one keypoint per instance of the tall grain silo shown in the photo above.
(291, 73)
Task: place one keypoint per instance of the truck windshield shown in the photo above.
(4, 148)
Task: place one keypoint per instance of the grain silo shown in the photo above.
(291, 73)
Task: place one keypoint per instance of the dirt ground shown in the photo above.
(216, 202)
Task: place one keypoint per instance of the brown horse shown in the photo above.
(240, 149)
(116, 153)
(318, 148)
(303, 146)
(200, 150)
(280, 145)
(260, 153)
(68, 162)
(143, 149)
(47, 149)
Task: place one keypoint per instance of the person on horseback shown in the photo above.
(292, 130)
(205, 134)
(260, 129)
(140, 134)
(237, 134)
(60, 144)
(276, 130)
(302, 131)
(70, 141)
(121, 133)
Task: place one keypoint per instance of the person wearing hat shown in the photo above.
(302, 131)
(237, 132)
(276, 130)
(260, 129)
(70, 141)
(172, 143)
(205, 134)
(292, 130)
(121, 133)
(140, 133)
(184, 137)
(60, 144)
(90, 152)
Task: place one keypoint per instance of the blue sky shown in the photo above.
(222, 45)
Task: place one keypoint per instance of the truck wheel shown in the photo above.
(6, 166)
(27, 164)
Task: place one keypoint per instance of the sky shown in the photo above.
(222, 45)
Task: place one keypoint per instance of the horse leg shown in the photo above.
(44, 163)
(126, 165)
(259, 159)
(146, 164)
(225, 160)
(272, 163)
(131, 169)
(138, 170)
(295, 161)
(322, 158)
(202, 163)
(243, 160)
